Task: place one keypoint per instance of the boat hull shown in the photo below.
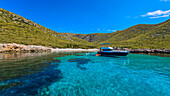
(113, 53)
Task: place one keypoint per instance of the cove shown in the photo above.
(84, 74)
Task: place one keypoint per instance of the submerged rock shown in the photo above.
(80, 62)
(53, 62)
(31, 83)
(79, 55)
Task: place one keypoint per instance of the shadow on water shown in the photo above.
(23, 74)
(80, 62)
(31, 82)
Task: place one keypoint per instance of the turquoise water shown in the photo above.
(84, 74)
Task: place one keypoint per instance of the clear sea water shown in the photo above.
(84, 74)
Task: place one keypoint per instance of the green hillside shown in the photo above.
(117, 36)
(16, 29)
(158, 37)
(154, 36)
(143, 36)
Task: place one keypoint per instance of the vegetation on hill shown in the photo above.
(17, 29)
(155, 36)
(143, 36)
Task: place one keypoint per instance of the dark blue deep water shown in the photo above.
(84, 74)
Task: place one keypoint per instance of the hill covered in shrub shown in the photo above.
(156, 36)
(17, 29)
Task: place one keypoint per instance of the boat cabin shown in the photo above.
(106, 49)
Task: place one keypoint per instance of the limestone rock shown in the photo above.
(22, 48)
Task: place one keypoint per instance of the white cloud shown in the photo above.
(109, 30)
(136, 17)
(71, 31)
(157, 14)
(98, 29)
(128, 16)
(114, 30)
(165, 0)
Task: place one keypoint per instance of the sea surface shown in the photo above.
(84, 74)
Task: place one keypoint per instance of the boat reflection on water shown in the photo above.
(124, 60)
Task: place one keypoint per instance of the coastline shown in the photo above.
(13, 47)
(166, 51)
(73, 50)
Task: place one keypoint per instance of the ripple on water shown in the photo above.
(90, 75)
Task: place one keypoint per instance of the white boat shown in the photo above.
(109, 51)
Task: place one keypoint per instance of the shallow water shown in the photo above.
(84, 74)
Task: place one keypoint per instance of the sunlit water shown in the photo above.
(83, 74)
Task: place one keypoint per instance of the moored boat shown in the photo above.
(109, 51)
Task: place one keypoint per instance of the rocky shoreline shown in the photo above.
(74, 50)
(12, 47)
(167, 51)
(150, 51)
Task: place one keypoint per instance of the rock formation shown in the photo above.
(22, 48)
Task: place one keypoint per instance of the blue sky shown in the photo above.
(90, 16)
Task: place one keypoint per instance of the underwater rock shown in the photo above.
(31, 83)
(52, 62)
(80, 61)
(79, 55)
